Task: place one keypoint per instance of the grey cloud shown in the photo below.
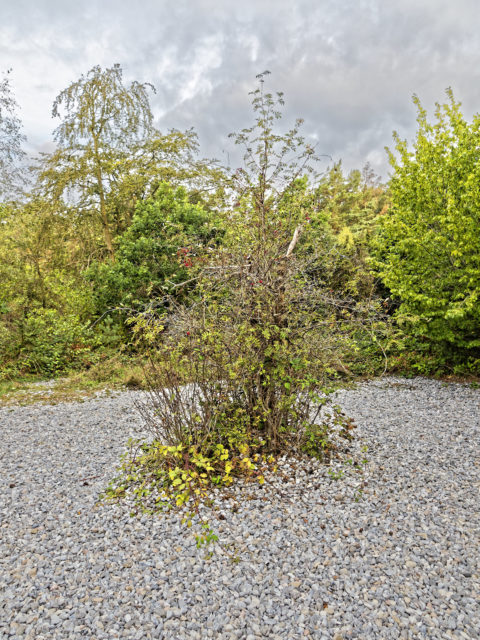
(348, 68)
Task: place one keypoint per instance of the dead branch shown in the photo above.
(294, 241)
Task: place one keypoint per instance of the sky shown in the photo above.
(349, 68)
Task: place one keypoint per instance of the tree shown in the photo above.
(110, 156)
(101, 120)
(11, 140)
(428, 248)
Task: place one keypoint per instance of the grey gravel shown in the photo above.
(389, 550)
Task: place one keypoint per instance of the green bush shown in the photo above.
(161, 248)
(53, 343)
(244, 365)
(428, 248)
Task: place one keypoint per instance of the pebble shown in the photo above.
(388, 549)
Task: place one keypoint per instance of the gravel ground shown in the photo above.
(388, 551)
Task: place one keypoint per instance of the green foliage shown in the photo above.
(163, 247)
(47, 343)
(410, 355)
(316, 440)
(244, 365)
(256, 343)
(352, 201)
(353, 205)
(41, 298)
(157, 477)
(101, 119)
(37, 261)
(54, 342)
(236, 394)
(428, 248)
(110, 157)
(170, 476)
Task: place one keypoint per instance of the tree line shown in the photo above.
(121, 222)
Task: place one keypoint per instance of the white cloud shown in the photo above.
(207, 56)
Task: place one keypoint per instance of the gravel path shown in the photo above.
(391, 551)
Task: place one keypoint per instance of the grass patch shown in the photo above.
(116, 372)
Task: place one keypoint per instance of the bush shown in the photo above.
(245, 365)
(53, 343)
(257, 343)
(162, 247)
(428, 247)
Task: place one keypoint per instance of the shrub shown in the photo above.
(54, 342)
(428, 248)
(162, 247)
(244, 366)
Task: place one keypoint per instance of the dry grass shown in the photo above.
(113, 373)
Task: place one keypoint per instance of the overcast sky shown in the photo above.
(348, 67)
